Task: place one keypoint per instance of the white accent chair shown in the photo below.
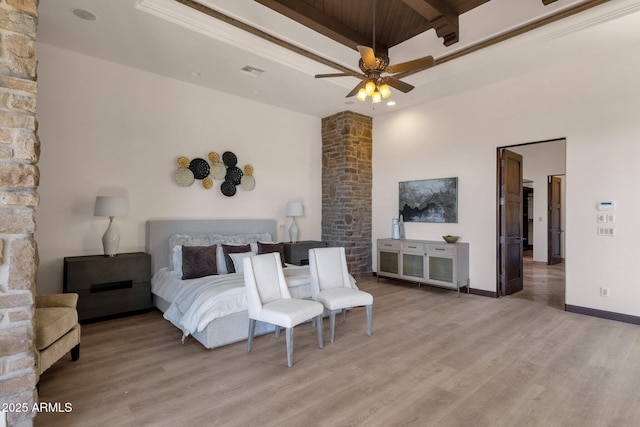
(331, 285)
(269, 300)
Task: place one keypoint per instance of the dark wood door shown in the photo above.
(554, 221)
(510, 241)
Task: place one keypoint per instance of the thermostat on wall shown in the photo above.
(606, 206)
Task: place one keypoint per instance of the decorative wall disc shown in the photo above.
(183, 162)
(228, 188)
(200, 168)
(184, 177)
(248, 182)
(218, 171)
(207, 182)
(229, 159)
(234, 175)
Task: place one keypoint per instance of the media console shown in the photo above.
(425, 262)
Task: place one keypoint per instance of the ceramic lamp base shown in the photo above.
(293, 231)
(110, 240)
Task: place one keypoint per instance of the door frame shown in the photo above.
(498, 219)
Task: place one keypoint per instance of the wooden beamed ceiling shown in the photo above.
(351, 22)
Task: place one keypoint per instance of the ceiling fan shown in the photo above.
(373, 83)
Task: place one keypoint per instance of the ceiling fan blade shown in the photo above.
(413, 65)
(368, 56)
(355, 90)
(322, 76)
(397, 83)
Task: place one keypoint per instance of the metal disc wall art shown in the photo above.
(208, 171)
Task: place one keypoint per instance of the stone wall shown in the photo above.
(346, 187)
(19, 152)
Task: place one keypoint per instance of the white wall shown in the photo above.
(106, 129)
(595, 104)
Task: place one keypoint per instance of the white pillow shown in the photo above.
(237, 260)
(176, 259)
(221, 263)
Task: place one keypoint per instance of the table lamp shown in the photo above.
(293, 209)
(111, 207)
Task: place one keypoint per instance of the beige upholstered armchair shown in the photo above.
(57, 330)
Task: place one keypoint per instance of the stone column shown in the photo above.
(346, 187)
(19, 152)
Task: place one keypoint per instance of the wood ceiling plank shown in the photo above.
(318, 21)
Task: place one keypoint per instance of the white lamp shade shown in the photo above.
(293, 209)
(110, 206)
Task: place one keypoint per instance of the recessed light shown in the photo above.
(85, 14)
(391, 103)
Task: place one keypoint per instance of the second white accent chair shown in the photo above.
(332, 286)
(269, 300)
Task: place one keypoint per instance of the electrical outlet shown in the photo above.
(604, 292)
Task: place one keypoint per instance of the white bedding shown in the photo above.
(196, 302)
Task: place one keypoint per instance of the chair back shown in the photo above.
(328, 269)
(264, 281)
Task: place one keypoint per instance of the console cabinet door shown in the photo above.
(389, 258)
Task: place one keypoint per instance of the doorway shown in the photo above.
(538, 232)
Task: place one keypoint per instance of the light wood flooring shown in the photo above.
(433, 360)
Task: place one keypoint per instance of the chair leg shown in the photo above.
(320, 338)
(332, 324)
(344, 315)
(277, 331)
(289, 334)
(252, 331)
(369, 310)
(75, 353)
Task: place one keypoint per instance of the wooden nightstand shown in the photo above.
(109, 286)
(298, 253)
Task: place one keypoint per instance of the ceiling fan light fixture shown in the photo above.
(376, 97)
(385, 91)
(370, 88)
(362, 94)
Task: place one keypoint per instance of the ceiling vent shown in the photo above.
(251, 70)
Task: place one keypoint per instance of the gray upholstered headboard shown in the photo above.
(159, 231)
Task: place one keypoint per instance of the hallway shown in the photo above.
(543, 283)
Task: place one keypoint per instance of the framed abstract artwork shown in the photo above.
(429, 200)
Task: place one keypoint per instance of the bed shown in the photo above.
(212, 309)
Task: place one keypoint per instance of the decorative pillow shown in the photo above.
(198, 261)
(187, 240)
(176, 257)
(265, 248)
(237, 260)
(233, 249)
(220, 262)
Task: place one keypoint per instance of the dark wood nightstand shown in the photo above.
(109, 286)
(298, 253)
